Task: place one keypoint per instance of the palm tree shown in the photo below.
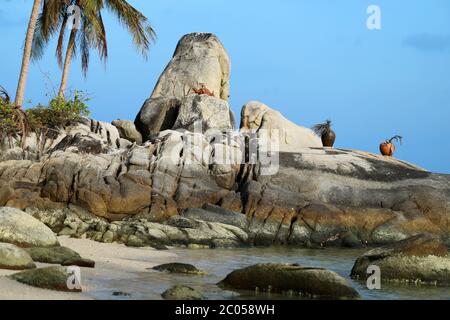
(91, 33)
(20, 93)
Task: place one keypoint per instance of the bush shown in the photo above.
(9, 124)
(60, 112)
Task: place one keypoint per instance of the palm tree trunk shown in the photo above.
(67, 61)
(20, 93)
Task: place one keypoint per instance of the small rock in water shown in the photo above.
(52, 278)
(59, 255)
(422, 259)
(14, 258)
(181, 268)
(290, 278)
(182, 293)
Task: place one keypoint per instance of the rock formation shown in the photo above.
(200, 60)
(19, 228)
(291, 279)
(182, 293)
(179, 268)
(257, 117)
(91, 180)
(14, 258)
(52, 278)
(421, 259)
(128, 131)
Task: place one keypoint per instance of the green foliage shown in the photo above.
(59, 113)
(9, 125)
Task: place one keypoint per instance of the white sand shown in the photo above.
(112, 262)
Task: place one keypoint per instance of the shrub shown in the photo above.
(9, 123)
(59, 113)
(42, 120)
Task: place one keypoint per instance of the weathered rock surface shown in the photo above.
(317, 196)
(23, 230)
(257, 117)
(182, 293)
(128, 131)
(422, 259)
(52, 278)
(182, 268)
(88, 181)
(85, 136)
(199, 60)
(14, 258)
(285, 278)
(203, 113)
(211, 213)
(59, 255)
(180, 231)
(156, 115)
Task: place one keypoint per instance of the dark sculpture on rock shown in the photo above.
(327, 135)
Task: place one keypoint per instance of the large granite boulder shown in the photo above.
(21, 229)
(257, 117)
(287, 279)
(421, 259)
(199, 61)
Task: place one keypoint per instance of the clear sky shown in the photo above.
(309, 59)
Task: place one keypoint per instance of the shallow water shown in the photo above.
(219, 262)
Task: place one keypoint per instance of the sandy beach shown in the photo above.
(113, 262)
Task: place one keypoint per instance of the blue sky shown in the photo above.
(309, 59)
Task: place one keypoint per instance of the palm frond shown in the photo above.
(396, 138)
(39, 40)
(322, 128)
(136, 23)
(4, 94)
(60, 43)
(85, 46)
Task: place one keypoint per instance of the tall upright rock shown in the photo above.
(199, 61)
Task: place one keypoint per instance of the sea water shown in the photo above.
(220, 262)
